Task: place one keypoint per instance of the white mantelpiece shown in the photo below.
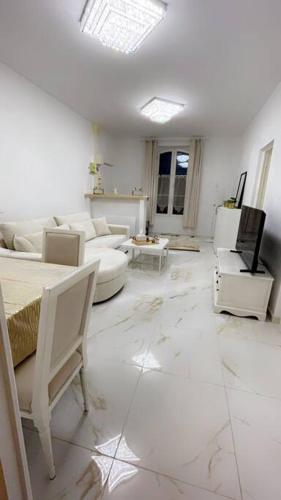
(122, 205)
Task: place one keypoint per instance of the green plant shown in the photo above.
(93, 169)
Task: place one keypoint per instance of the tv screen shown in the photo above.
(250, 236)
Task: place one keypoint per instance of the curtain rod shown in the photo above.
(153, 138)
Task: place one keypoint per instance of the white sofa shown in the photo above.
(113, 262)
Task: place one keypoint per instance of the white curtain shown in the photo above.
(150, 177)
(193, 181)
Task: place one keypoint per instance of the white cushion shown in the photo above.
(87, 227)
(29, 242)
(69, 218)
(110, 241)
(19, 228)
(101, 226)
(32, 243)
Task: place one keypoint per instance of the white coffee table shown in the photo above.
(159, 249)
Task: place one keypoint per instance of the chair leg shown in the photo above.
(46, 443)
(84, 389)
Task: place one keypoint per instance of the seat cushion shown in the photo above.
(19, 228)
(24, 374)
(69, 218)
(110, 241)
(112, 262)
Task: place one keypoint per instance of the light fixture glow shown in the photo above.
(160, 110)
(122, 24)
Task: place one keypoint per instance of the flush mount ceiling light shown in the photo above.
(122, 24)
(160, 110)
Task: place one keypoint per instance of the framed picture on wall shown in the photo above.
(240, 191)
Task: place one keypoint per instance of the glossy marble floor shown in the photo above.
(185, 404)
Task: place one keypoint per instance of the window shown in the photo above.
(172, 175)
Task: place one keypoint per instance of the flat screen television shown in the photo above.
(250, 236)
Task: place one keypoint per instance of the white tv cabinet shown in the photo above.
(242, 294)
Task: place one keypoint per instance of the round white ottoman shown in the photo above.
(112, 271)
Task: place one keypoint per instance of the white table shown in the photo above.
(158, 249)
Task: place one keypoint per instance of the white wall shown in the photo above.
(45, 149)
(221, 167)
(128, 161)
(265, 128)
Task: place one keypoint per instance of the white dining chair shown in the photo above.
(61, 351)
(63, 246)
(14, 469)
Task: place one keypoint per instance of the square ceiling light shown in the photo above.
(122, 24)
(160, 110)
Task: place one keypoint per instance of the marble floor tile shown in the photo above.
(111, 387)
(188, 351)
(181, 429)
(251, 366)
(127, 345)
(257, 433)
(81, 474)
(127, 482)
(232, 327)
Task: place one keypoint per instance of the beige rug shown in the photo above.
(181, 242)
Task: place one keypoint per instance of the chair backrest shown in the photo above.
(64, 318)
(63, 247)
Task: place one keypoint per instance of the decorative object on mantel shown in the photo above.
(94, 170)
(137, 191)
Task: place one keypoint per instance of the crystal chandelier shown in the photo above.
(161, 110)
(122, 24)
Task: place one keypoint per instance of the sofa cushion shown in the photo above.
(19, 228)
(111, 241)
(69, 218)
(112, 262)
(29, 242)
(32, 242)
(86, 226)
(2, 242)
(101, 226)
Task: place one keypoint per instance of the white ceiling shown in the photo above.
(220, 57)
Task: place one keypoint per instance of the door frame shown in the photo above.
(263, 174)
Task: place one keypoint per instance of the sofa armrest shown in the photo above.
(118, 229)
(13, 254)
